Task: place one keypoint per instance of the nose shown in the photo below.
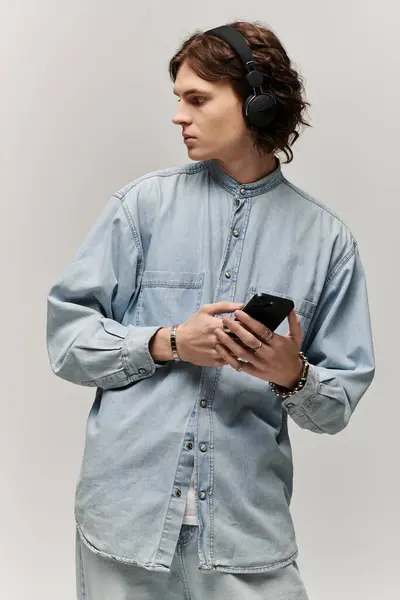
(181, 116)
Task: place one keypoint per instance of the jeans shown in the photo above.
(98, 578)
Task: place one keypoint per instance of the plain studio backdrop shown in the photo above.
(86, 106)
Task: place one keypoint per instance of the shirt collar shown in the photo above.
(245, 189)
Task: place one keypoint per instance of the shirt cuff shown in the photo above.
(310, 389)
(137, 360)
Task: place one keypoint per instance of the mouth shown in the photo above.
(188, 138)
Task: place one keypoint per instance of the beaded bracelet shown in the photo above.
(283, 392)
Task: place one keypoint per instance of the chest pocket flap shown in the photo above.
(168, 297)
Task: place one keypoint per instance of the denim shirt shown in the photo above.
(164, 245)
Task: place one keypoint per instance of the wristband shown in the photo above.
(175, 354)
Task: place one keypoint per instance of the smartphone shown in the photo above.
(267, 309)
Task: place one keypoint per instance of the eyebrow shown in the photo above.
(193, 91)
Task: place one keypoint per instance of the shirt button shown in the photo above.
(178, 492)
(203, 447)
(290, 405)
(203, 403)
(235, 233)
(189, 446)
(142, 371)
(242, 191)
(228, 275)
(202, 495)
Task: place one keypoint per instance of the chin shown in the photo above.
(199, 154)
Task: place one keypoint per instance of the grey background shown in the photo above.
(86, 106)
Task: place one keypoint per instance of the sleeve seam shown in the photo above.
(341, 264)
(134, 233)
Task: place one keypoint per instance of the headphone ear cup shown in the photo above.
(259, 110)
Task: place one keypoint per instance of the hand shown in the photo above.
(277, 361)
(196, 340)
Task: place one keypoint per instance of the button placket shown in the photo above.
(235, 231)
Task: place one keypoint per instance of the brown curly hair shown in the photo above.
(214, 60)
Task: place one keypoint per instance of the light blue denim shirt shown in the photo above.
(164, 245)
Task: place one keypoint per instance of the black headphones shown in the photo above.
(259, 108)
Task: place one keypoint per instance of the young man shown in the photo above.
(187, 473)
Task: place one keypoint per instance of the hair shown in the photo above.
(212, 59)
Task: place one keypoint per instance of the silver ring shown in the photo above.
(271, 335)
(239, 369)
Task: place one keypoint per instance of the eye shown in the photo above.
(197, 100)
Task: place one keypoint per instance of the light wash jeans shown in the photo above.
(98, 578)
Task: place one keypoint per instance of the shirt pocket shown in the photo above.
(168, 297)
(303, 308)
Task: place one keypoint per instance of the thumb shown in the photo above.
(294, 327)
(222, 307)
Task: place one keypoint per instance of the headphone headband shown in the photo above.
(239, 44)
(259, 109)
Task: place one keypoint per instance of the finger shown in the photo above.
(228, 357)
(234, 363)
(236, 349)
(221, 307)
(242, 332)
(255, 326)
(295, 331)
(221, 362)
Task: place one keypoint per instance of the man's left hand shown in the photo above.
(277, 361)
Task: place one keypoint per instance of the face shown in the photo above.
(212, 113)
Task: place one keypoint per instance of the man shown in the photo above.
(187, 473)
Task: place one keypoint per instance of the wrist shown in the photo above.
(160, 345)
(284, 392)
(294, 380)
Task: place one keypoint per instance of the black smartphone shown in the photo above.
(268, 309)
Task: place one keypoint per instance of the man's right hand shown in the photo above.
(196, 340)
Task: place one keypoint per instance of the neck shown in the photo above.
(250, 167)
